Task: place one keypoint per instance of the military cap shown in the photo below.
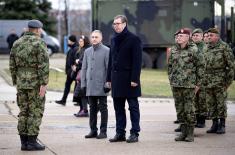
(35, 24)
(183, 31)
(197, 31)
(213, 30)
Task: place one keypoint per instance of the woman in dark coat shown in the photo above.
(124, 78)
(84, 43)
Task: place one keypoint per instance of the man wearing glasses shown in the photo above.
(185, 71)
(124, 78)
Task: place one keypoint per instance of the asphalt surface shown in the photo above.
(63, 134)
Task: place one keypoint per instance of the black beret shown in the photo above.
(35, 24)
(213, 30)
(73, 38)
(197, 31)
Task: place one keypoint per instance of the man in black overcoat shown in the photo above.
(124, 78)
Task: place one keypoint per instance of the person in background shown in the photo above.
(11, 38)
(70, 61)
(200, 98)
(84, 43)
(205, 37)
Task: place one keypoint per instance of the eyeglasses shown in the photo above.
(115, 24)
(94, 37)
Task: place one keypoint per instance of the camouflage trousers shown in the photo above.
(31, 107)
(201, 107)
(184, 104)
(215, 98)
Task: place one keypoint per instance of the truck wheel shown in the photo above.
(146, 60)
(161, 60)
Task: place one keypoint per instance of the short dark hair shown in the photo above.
(122, 17)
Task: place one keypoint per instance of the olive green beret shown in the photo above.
(213, 30)
(197, 31)
(35, 24)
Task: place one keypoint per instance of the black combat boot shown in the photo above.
(190, 134)
(183, 134)
(200, 122)
(24, 142)
(214, 126)
(221, 126)
(33, 145)
(178, 129)
(197, 120)
(176, 121)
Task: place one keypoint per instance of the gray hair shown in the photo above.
(97, 31)
(122, 17)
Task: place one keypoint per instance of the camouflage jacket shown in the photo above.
(219, 65)
(29, 62)
(185, 66)
(202, 47)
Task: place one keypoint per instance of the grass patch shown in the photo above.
(57, 81)
(155, 83)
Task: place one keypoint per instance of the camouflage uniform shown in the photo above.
(200, 99)
(218, 76)
(29, 66)
(185, 71)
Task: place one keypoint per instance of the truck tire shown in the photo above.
(146, 60)
(161, 60)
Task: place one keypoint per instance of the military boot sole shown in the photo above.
(35, 148)
(211, 131)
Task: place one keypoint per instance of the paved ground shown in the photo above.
(63, 134)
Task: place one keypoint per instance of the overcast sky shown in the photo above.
(86, 4)
(73, 4)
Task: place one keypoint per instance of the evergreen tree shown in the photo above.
(28, 9)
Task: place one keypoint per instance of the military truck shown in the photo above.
(156, 21)
(6, 26)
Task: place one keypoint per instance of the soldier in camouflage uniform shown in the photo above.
(200, 99)
(185, 72)
(219, 74)
(29, 66)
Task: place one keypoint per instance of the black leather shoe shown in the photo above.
(60, 102)
(76, 104)
(118, 138)
(92, 134)
(102, 135)
(133, 138)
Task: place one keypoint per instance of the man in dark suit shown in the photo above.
(124, 78)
